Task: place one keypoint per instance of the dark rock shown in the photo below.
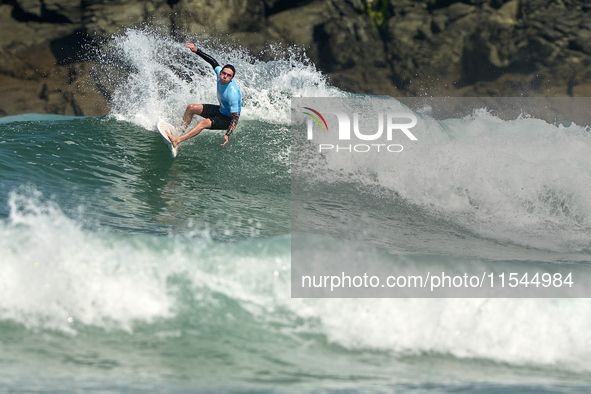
(582, 41)
(299, 26)
(396, 47)
(348, 38)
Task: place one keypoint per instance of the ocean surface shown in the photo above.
(125, 270)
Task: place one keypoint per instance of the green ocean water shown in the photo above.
(121, 174)
(125, 270)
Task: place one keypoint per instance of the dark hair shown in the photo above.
(231, 67)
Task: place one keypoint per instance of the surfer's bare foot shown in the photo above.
(173, 139)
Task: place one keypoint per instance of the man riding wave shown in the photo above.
(215, 117)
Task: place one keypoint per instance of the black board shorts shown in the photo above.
(219, 121)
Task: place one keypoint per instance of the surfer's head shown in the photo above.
(227, 73)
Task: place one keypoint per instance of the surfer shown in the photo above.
(215, 117)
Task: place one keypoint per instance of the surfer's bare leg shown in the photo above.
(203, 124)
(192, 109)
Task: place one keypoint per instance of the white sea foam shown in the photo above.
(542, 332)
(57, 275)
(522, 181)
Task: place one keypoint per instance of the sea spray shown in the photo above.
(154, 76)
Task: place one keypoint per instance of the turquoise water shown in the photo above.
(124, 270)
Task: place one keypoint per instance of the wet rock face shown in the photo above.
(348, 38)
(396, 47)
(529, 37)
(469, 47)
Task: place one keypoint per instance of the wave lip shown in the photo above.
(534, 332)
(36, 118)
(58, 275)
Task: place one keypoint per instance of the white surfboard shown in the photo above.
(162, 125)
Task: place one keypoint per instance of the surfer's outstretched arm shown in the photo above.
(203, 55)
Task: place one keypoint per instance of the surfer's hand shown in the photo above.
(191, 47)
(225, 140)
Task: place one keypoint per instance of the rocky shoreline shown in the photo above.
(404, 48)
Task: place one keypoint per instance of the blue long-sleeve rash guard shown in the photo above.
(229, 95)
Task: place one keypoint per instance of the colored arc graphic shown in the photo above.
(315, 118)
